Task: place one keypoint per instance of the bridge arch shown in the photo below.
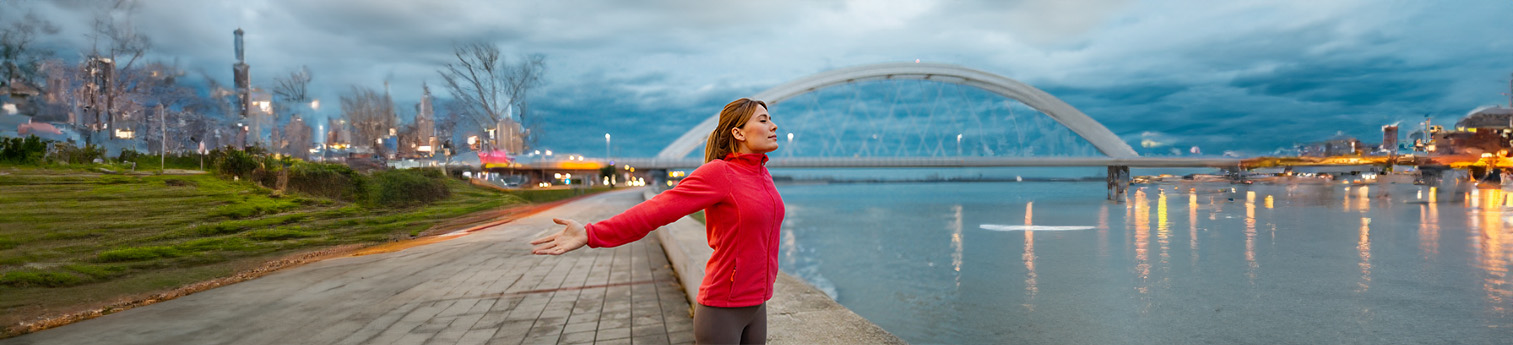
(1092, 131)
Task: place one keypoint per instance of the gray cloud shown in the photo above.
(1271, 72)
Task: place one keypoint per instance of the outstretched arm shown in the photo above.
(573, 236)
(702, 188)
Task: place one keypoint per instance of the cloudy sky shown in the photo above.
(1246, 76)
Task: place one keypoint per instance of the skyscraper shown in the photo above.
(241, 79)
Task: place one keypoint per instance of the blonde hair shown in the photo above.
(721, 141)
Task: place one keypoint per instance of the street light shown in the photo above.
(958, 144)
(789, 151)
(606, 146)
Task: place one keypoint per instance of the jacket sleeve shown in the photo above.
(702, 188)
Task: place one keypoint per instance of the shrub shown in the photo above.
(237, 163)
(29, 278)
(70, 154)
(139, 253)
(27, 151)
(326, 180)
(397, 188)
(128, 155)
(173, 161)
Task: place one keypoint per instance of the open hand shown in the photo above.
(571, 237)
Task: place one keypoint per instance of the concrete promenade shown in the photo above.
(483, 288)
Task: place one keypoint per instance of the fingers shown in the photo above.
(560, 221)
(545, 247)
(543, 240)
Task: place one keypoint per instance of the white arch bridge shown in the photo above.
(1119, 155)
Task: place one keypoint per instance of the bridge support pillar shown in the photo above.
(658, 179)
(1118, 182)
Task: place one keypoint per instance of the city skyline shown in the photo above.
(1173, 74)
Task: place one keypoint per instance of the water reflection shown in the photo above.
(1192, 227)
(1489, 233)
(1030, 285)
(1409, 286)
(1363, 250)
(1363, 199)
(1142, 240)
(1103, 230)
(956, 249)
(1428, 230)
(1250, 237)
(1163, 231)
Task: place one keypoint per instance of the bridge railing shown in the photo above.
(949, 162)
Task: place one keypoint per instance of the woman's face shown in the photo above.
(758, 135)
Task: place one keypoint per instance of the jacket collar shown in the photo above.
(751, 159)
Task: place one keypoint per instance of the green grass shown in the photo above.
(139, 253)
(71, 236)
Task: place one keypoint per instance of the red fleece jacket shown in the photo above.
(743, 217)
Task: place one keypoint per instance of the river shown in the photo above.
(1174, 263)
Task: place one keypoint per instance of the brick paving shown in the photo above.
(483, 288)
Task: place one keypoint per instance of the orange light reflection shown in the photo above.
(1250, 239)
(1192, 227)
(1494, 253)
(1030, 285)
(1142, 241)
(1363, 249)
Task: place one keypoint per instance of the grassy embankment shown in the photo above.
(75, 239)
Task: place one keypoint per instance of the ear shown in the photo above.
(736, 133)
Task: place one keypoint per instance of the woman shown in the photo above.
(743, 213)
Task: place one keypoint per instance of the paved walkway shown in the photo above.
(484, 288)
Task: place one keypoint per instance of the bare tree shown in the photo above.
(447, 120)
(488, 87)
(18, 58)
(112, 84)
(158, 82)
(290, 92)
(113, 27)
(294, 88)
(370, 114)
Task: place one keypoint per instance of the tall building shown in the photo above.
(99, 74)
(297, 138)
(1389, 138)
(241, 79)
(425, 122)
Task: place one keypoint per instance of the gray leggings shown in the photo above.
(743, 325)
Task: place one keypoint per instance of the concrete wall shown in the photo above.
(797, 314)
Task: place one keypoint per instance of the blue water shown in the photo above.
(1172, 264)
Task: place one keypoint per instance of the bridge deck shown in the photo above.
(953, 162)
